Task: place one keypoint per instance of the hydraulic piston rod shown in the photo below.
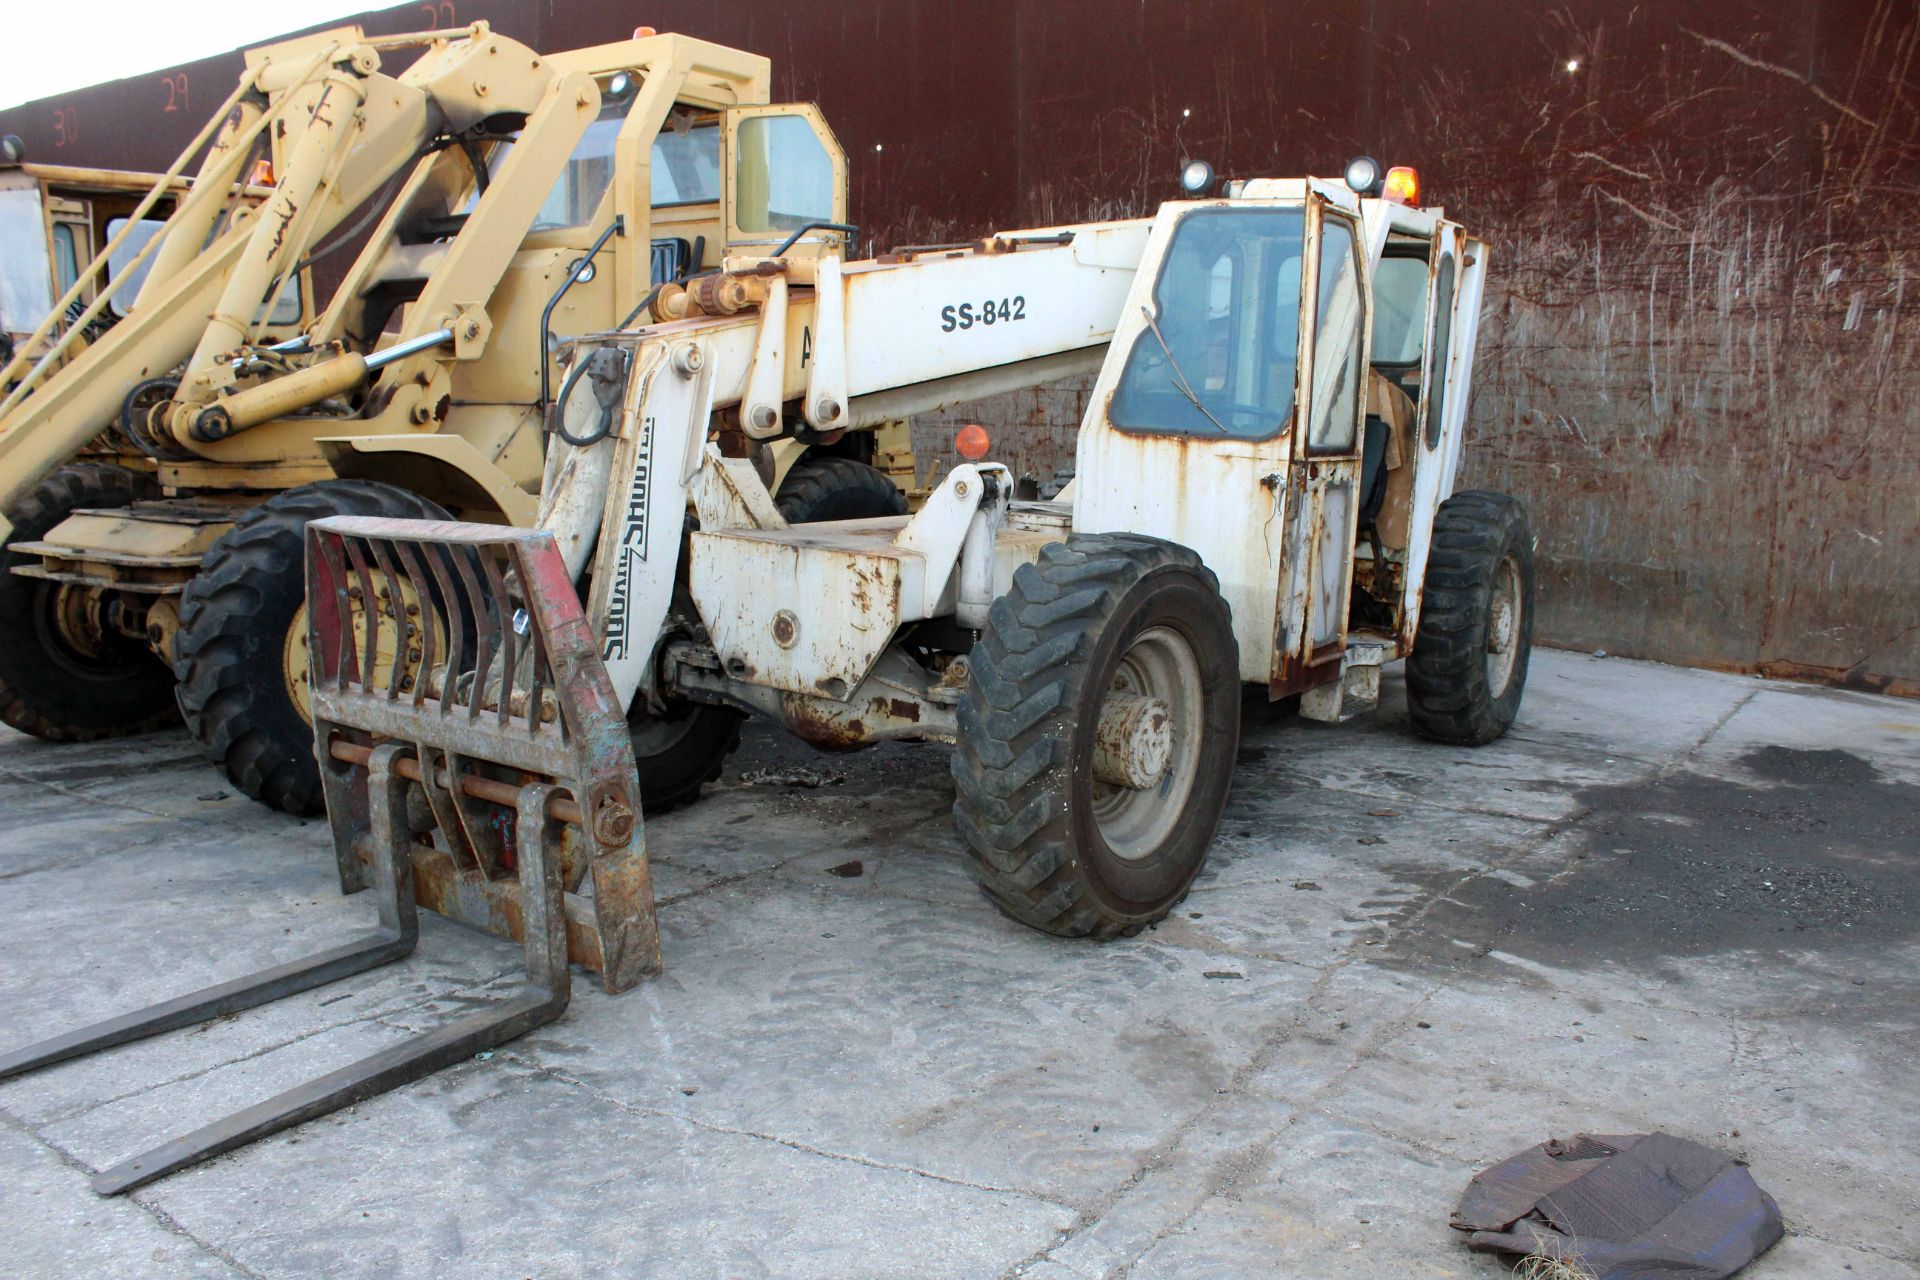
(281, 396)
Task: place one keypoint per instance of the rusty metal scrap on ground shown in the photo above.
(1622, 1207)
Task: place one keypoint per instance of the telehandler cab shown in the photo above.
(157, 475)
(1263, 496)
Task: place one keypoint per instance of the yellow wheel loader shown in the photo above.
(505, 197)
(53, 219)
(1263, 495)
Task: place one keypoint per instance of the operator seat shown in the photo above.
(1389, 424)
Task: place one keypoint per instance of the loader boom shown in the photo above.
(347, 131)
(1019, 309)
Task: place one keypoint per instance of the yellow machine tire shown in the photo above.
(48, 688)
(230, 658)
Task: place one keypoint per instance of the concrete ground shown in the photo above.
(1670, 899)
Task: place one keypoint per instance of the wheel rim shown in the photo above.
(295, 652)
(72, 638)
(1504, 627)
(1160, 665)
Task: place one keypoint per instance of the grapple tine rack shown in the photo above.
(484, 663)
(454, 694)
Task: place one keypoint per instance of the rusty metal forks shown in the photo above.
(540, 998)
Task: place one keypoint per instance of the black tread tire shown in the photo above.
(1021, 767)
(233, 623)
(831, 488)
(53, 694)
(674, 775)
(1447, 694)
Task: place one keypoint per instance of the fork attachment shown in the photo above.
(539, 999)
(457, 693)
(469, 642)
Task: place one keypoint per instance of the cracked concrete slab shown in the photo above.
(52, 1232)
(1669, 899)
(501, 1169)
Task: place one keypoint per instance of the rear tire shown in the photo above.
(1468, 668)
(231, 655)
(819, 489)
(48, 687)
(679, 753)
(1051, 844)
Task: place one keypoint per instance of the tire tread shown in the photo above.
(226, 707)
(47, 710)
(1010, 763)
(1447, 695)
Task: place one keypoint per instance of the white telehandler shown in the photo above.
(1263, 495)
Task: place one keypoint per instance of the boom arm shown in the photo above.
(865, 342)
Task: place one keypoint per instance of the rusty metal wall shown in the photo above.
(1699, 363)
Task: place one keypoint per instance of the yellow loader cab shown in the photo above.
(508, 199)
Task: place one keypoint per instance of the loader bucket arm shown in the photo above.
(347, 130)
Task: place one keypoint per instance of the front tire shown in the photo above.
(1065, 831)
(1468, 668)
(234, 659)
(52, 685)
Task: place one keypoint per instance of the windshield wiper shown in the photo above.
(1178, 376)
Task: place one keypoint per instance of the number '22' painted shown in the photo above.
(965, 315)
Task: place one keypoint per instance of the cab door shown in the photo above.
(784, 169)
(1190, 426)
(1323, 471)
(1459, 278)
(71, 225)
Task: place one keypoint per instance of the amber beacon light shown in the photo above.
(1402, 186)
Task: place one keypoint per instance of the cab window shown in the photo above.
(783, 175)
(1219, 354)
(1337, 365)
(66, 258)
(686, 166)
(576, 194)
(148, 228)
(1442, 348)
(25, 282)
(1399, 311)
(286, 308)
